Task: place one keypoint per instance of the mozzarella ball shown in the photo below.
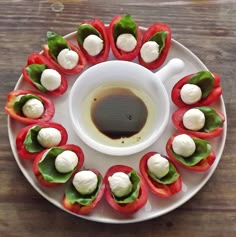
(33, 108)
(67, 58)
(190, 94)
(85, 182)
(158, 165)
(149, 51)
(66, 161)
(194, 119)
(183, 145)
(126, 42)
(49, 137)
(50, 79)
(120, 184)
(93, 45)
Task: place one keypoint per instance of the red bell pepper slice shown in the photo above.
(177, 119)
(77, 69)
(119, 54)
(213, 95)
(130, 207)
(38, 158)
(202, 166)
(152, 30)
(103, 55)
(83, 210)
(20, 138)
(37, 58)
(49, 108)
(161, 190)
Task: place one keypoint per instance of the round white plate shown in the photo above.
(192, 182)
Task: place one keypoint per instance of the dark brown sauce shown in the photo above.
(118, 113)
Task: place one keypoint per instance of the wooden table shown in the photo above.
(207, 28)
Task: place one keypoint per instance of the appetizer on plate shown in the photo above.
(29, 107)
(85, 192)
(190, 152)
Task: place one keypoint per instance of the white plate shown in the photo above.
(192, 182)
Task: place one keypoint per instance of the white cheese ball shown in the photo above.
(158, 165)
(93, 45)
(126, 42)
(33, 108)
(149, 51)
(85, 182)
(190, 94)
(49, 137)
(194, 119)
(67, 58)
(183, 145)
(66, 161)
(50, 79)
(120, 184)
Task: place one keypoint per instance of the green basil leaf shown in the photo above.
(56, 43)
(160, 39)
(75, 197)
(125, 25)
(169, 178)
(212, 119)
(47, 167)
(133, 195)
(205, 80)
(31, 142)
(19, 103)
(35, 71)
(85, 30)
(203, 150)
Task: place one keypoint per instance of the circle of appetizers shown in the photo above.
(125, 189)
(160, 174)
(85, 192)
(58, 164)
(190, 152)
(29, 107)
(33, 139)
(198, 89)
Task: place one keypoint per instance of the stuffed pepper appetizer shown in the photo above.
(198, 89)
(190, 152)
(155, 46)
(65, 56)
(125, 189)
(125, 37)
(93, 41)
(57, 165)
(202, 121)
(40, 73)
(85, 192)
(33, 139)
(29, 107)
(160, 174)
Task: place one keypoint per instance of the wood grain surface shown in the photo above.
(207, 28)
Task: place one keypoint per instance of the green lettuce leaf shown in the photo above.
(160, 39)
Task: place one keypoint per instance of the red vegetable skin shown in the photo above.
(101, 57)
(49, 108)
(20, 138)
(83, 210)
(37, 58)
(177, 119)
(203, 165)
(119, 54)
(77, 69)
(213, 96)
(161, 190)
(38, 158)
(152, 30)
(130, 207)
